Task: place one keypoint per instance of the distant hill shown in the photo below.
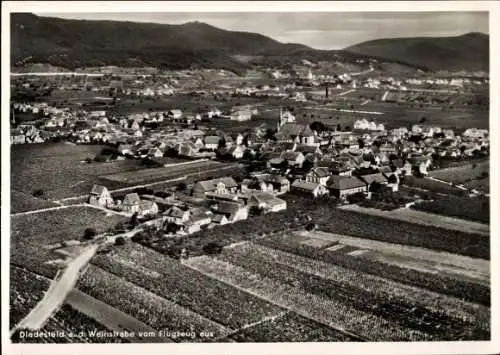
(75, 43)
(467, 52)
(82, 43)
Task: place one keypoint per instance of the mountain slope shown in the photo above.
(466, 52)
(73, 43)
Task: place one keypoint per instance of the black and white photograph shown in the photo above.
(255, 175)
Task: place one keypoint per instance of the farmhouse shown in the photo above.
(100, 196)
(279, 184)
(133, 204)
(318, 175)
(233, 211)
(293, 158)
(174, 115)
(267, 201)
(312, 188)
(224, 185)
(187, 149)
(176, 215)
(241, 115)
(212, 142)
(370, 179)
(342, 186)
(299, 133)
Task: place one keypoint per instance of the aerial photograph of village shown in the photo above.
(249, 177)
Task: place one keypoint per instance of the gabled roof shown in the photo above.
(274, 178)
(291, 155)
(175, 212)
(294, 129)
(371, 178)
(309, 186)
(228, 207)
(344, 182)
(386, 170)
(131, 199)
(97, 190)
(320, 172)
(210, 185)
(268, 199)
(212, 139)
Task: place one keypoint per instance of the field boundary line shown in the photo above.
(180, 178)
(46, 210)
(288, 308)
(254, 324)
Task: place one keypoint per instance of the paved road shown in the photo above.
(57, 292)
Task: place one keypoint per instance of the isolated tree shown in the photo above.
(120, 241)
(182, 186)
(89, 234)
(212, 248)
(38, 193)
(318, 126)
(134, 220)
(423, 119)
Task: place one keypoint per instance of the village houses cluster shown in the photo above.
(296, 159)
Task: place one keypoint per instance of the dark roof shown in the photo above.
(212, 140)
(210, 185)
(174, 211)
(294, 129)
(227, 207)
(131, 199)
(371, 178)
(97, 190)
(320, 171)
(344, 182)
(307, 149)
(386, 170)
(303, 185)
(290, 155)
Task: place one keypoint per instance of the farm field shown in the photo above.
(346, 308)
(76, 327)
(429, 219)
(472, 176)
(366, 226)
(337, 283)
(23, 202)
(59, 169)
(179, 284)
(420, 259)
(475, 209)
(33, 235)
(26, 290)
(433, 186)
(393, 115)
(155, 174)
(147, 307)
(462, 174)
(435, 282)
(111, 318)
(482, 185)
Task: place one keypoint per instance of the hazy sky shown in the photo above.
(327, 30)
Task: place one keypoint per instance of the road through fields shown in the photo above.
(56, 294)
